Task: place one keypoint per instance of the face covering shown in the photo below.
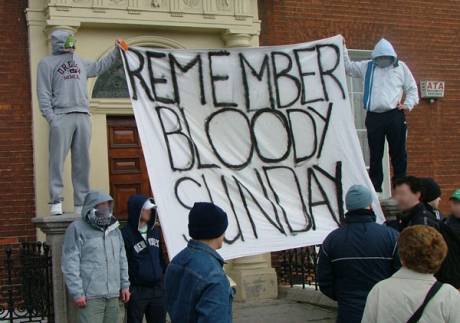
(69, 45)
(101, 217)
(383, 61)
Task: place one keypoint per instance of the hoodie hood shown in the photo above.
(384, 48)
(135, 204)
(58, 39)
(92, 199)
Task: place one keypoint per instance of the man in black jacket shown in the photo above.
(356, 256)
(145, 261)
(408, 193)
(450, 229)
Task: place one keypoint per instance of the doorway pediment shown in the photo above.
(235, 15)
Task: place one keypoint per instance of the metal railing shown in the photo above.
(297, 267)
(26, 292)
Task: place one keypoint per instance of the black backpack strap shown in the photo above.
(419, 312)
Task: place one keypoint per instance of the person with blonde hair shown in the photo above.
(413, 294)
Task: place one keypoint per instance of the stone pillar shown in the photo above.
(54, 227)
(254, 276)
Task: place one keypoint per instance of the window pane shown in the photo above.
(356, 98)
(112, 84)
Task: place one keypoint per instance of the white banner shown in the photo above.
(265, 133)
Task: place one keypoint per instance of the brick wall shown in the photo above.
(425, 35)
(16, 159)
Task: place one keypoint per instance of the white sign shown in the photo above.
(265, 133)
(432, 89)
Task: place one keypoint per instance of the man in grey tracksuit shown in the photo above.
(62, 94)
(94, 261)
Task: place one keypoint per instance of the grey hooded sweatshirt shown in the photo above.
(94, 260)
(62, 78)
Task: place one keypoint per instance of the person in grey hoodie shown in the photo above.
(386, 81)
(94, 261)
(63, 99)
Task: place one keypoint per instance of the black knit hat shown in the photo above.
(431, 190)
(206, 221)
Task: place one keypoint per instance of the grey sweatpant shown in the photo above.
(100, 310)
(70, 131)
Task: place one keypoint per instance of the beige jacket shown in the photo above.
(395, 299)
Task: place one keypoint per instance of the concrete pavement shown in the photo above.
(281, 311)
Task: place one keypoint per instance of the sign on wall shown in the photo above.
(265, 133)
(432, 89)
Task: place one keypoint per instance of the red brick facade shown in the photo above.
(425, 35)
(17, 203)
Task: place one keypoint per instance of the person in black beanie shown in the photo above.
(431, 196)
(196, 285)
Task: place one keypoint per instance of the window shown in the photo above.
(112, 84)
(355, 88)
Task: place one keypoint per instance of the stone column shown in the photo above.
(54, 227)
(254, 276)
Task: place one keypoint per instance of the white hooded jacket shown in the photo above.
(389, 84)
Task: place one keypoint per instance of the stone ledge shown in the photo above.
(55, 224)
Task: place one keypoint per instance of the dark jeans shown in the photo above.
(392, 126)
(150, 301)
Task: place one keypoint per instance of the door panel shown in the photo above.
(128, 173)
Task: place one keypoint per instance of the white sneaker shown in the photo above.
(56, 209)
(77, 210)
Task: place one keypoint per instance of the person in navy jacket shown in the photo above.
(142, 236)
(356, 256)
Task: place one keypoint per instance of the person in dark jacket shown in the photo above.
(431, 196)
(197, 288)
(356, 256)
(408, 194)
(450, 230)
(142, 238)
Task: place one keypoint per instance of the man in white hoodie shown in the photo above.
(387, 81)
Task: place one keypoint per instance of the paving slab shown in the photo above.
(282, 311)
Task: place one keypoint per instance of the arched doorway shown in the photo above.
(126, 164)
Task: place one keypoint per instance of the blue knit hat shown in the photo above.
(358, 197)
(206, 221)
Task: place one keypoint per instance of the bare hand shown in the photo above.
(122, 44)
(80, 302)
(402, 107)
(125, 295)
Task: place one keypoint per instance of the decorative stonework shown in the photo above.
(238, 16)
(224, 5)
(118, 2)
(191, 3)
